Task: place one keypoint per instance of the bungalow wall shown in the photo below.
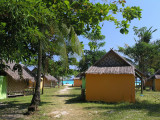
(149, 83)
(157, 84)
(110, 87)
(16, 86)
(77, 83)
(53, 83)
(31, 84)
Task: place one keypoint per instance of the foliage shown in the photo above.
(32, 27)
(144, 53)
(144, 34)
(94, 53)
(90, 57)
(23, 23)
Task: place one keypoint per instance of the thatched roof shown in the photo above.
(79, 76)
(110, 70)
(111, 63)
(155, 76)
(14, 74)
(47, 76)
(50, 78)
(112, 59)
(76, 78)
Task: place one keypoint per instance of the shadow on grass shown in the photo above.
(73, 95)
(14, 109)
(77, 88)
(76, 99)
(151, 108)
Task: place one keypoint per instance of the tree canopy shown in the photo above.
(144, 53)
(32, 28)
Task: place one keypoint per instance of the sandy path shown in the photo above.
(63, 111)
(66, 111)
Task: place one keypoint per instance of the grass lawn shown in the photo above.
(65, 104)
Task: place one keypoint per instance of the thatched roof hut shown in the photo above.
(26, 73)
(155, 76)
(15, 83)
(111, 63)
(154, 81)
(111, 79)
(49, 81)
(50, 78)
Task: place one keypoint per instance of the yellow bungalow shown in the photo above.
(154, 81)
(77, 82)
(111, 79)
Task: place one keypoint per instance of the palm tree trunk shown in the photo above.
(36, 97)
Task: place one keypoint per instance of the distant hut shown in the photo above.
(14, 84)
(77, 81)
(34, 73)
(154, 81)
(49, 81)
(31, 82)
(111, 79)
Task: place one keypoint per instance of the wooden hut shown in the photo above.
(31, 82)
(49, 81)
(154, 81)
(77, 81)
(111, 79)
(15, 85)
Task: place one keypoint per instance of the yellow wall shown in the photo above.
(157, 84)
(77, 83)
(110, 87)
(41, 83)
(31, 84)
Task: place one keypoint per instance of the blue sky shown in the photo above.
(150, 17)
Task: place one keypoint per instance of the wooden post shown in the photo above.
(62, 81)
(43, 85)
(83, 94)
(141, 85)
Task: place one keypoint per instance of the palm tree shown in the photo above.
(144, 34)
(61, 35)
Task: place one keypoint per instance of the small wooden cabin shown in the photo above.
(111, 79)
(77, 81)
(49, 81)
(16, 85)
(154, 81)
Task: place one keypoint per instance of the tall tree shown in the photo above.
(94, 53)
(24, 24)
(143, 51)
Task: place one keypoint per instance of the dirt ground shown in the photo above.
(67, 111)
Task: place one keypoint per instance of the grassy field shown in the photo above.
(65, 104)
